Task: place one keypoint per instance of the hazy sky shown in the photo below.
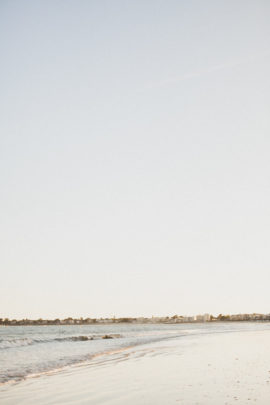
(134, 157)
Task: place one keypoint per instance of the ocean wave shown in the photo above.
(15, 374)
(20, 342)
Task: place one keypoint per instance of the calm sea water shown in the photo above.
(27, 351)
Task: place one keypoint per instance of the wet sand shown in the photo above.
(214, 369)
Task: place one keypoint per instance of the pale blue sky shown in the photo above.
(134, 157)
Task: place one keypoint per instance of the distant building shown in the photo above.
(202, 318)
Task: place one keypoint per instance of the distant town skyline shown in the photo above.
(140, 320)
(134, 158)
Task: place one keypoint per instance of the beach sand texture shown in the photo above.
(221, 368)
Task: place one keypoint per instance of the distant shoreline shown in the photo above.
(176, 319)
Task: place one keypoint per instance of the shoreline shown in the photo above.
(265, 321)
(210, 369)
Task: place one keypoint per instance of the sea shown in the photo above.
(32, 351)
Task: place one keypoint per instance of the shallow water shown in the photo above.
(30, 351)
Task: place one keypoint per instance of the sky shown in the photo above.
(134, 157)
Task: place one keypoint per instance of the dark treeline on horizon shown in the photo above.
(153, 319)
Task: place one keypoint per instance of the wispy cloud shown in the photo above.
(194, 74)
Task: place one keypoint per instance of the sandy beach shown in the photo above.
(220, 368)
